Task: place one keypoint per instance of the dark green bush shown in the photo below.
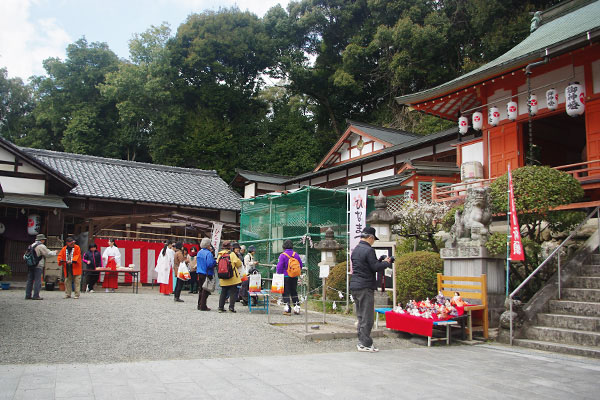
(416, 275)
(337, 280)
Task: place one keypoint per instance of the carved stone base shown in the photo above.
(475, 261)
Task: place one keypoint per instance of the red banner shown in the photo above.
(516, 247)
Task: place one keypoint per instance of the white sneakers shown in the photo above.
(297, 309)
(370, 349)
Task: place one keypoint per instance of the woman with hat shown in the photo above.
(92, 260)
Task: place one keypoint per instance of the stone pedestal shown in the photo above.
(475, 261)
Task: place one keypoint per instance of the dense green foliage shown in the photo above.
(231, 90)
(537, 191)
(416, 275)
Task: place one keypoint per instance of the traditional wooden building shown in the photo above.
(558, 67)
(396, 162)
(96, 197)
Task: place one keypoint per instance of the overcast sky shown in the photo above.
(33, 30)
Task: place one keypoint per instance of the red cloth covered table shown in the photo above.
(411, 324)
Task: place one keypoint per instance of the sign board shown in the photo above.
(215, 236)
(324, 271)
(358, 217)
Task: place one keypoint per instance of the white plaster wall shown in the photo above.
(353, 180)
(28, 168)
(354, 152)
(377, 146)
(354, 171)
(494, 100)
(268, 186)
(337, 175)
(227, 216)
(551, 80)
(411, 155)
(345, 154)
(472, 152)
(377, 175)
(368, 148)
(6, 156)
(250, 190)
(318, 180)
(23, 186)
(378, 164)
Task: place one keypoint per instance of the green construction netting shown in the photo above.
(301, 215)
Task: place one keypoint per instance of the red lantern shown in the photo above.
(574, 99)
(463, 125)
(533, 104)
(552, 99)
(493, 116)
(511, 110)
(477, 121)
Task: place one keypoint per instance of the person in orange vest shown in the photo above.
(70, 258)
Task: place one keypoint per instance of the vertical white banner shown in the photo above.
(358, 216)
(215, 236)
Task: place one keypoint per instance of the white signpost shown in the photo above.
(215, 236)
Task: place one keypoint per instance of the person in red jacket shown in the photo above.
(70, 258)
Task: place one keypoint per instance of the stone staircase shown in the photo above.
(570, 325)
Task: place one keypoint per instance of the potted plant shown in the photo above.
(4, 270)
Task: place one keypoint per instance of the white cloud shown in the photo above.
(25, 43)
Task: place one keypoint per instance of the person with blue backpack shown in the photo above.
(35, 258)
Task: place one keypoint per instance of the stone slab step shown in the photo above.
(586, 351)
(594, 259)
(561, 335)
(590, 270)
(578, 294)
(578, 322)
(586, 282)
(587, 308)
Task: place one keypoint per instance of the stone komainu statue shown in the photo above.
(472, 224)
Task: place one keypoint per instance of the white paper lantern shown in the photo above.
(493, 116)
(463, 125)
(552, 99)
(533, 104)
(574, 99)
(477, 121)
(33, 224)
(511, 110)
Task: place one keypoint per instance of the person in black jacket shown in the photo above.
(363, 284)
(92, 259)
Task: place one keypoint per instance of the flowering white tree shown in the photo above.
(420, 220)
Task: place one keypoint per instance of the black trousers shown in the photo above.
(178, 287)
(364, 299)
(193, 281)
(290, 290)
(228, 291)
(202, 294)
(243, 293)
(92, 279)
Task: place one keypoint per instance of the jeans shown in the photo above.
(193, 281)
(34, 280)
(290, 290)
(178, 287)
(228, 291)
(364, 299)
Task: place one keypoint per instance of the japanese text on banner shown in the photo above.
(216, 235)
(516, 246)
(358, 215)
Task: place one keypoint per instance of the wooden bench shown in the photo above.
(475, 288)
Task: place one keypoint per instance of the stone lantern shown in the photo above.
(381, 219)
(328, 248)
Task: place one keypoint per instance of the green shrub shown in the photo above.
(448, 219)
(337, 280)
(416, 275)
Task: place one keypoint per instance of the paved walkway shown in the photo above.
(457, 372)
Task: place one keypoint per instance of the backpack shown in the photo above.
(293, 268)
(30, 257)
(224, 268)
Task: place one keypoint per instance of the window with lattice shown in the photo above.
(425, 189)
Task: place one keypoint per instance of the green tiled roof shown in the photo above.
(577, 24)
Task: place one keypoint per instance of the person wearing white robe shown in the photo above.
(171, 256)
(164, 264)
(111, 279)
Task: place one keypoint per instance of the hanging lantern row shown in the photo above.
(574, 104)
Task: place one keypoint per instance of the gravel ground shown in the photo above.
(111, 327)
